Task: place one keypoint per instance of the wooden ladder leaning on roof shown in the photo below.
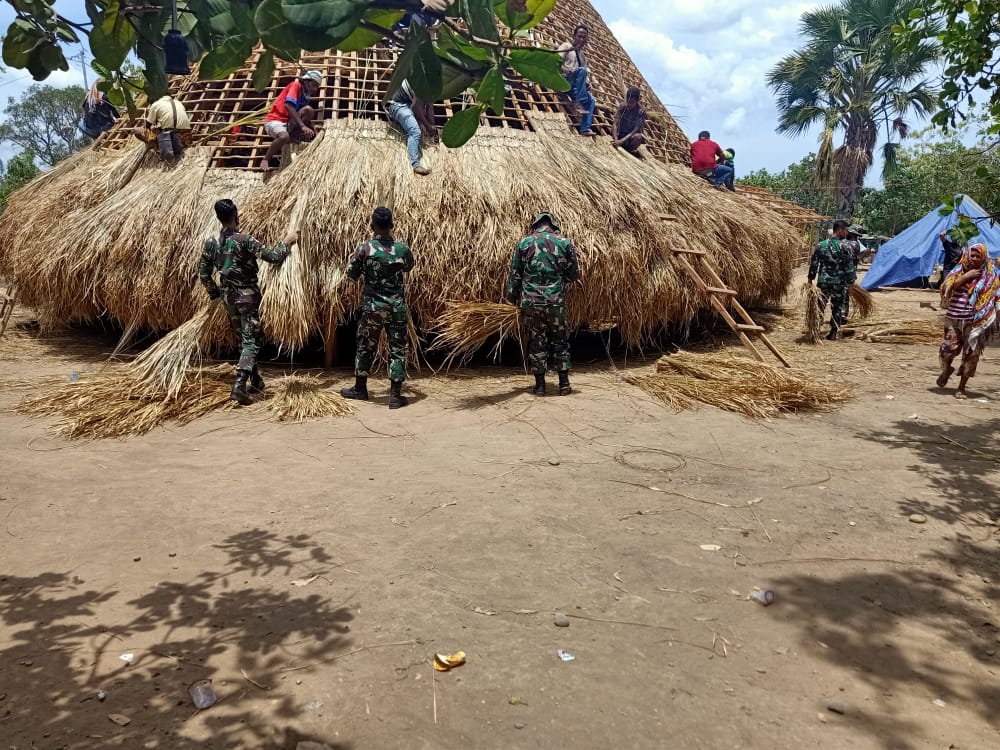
(719, 289)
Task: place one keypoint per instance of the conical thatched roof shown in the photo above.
(113, 231)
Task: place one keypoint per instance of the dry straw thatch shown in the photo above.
(898, 331)
(862, 303)
(737, 384)
(114, 404)
(464, 327)
(122, 233)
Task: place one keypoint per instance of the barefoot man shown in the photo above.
(969, 293)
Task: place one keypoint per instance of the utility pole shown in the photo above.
(82, 57)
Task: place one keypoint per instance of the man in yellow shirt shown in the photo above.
(168, 119)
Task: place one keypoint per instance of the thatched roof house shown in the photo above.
(112, 231)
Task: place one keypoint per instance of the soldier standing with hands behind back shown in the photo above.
(542, 264)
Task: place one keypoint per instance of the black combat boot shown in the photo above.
(239, 393)
(256, 382)
(832, 335)
(360, 390)
(564, 386)
(396, 399)
(539, 389)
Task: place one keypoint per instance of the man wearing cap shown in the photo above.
(542, 264)
(708, 161)
(291, 116)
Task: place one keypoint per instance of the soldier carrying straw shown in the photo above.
(234, 255)
(382, 261)
(835, 262)
(542, 264)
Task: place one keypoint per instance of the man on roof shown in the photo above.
(416, 118)
(708, 161)
(167, 125)
(577, 71)
(630, 121)
(542, 264)
(291, 117)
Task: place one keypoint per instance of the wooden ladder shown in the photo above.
(7, 302)
(719, 289)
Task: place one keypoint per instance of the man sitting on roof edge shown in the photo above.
(291, 117)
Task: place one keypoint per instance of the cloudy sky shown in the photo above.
(706, 59)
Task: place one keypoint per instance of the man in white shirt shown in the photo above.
(168, 119)
(577, 72)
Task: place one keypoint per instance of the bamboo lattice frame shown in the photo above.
(355, 84)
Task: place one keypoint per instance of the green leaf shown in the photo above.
(325, 14)
(276, 32)
(226, 58)
(111, 41)
(479, 15)
(456, 48)
(541, 66)
(19, 44)
(362, 38)
(264, 71)
(491, 90)
(454, 83)
(461, 127)
(419, 64)
(512, 14)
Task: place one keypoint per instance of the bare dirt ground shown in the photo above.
(311, 571)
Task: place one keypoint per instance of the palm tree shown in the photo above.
(850, 76)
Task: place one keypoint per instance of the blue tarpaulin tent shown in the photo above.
(912, 253)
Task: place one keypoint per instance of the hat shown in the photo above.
(547, 217)
(312, 75)
(856, 229)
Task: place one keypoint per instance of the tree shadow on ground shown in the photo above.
(65, 639)
(888, 626)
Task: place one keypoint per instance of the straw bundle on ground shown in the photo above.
(112, 406)
(899, 332)
(164, 367)
(296, 398)
(464, 327)
(737, 384)
(811, 301)
(862, 303)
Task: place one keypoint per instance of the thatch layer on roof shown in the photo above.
(121, 234)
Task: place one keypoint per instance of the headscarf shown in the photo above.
(983, 294)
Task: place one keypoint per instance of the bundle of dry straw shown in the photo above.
(862, 303)
(737, 384)
(899, 331)
(297, 398)
(811, 299)
(464, 327)
(164, 367)
(114, 405)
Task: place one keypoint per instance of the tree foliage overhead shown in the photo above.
(480, 47)
(44, 122)
(18, 172)
(849, 78)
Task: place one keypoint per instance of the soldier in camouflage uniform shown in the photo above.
(234, 255)
(382, 261)
(835, 263)
(542, 264)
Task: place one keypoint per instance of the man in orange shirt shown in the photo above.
(291, 116)
(707, 160)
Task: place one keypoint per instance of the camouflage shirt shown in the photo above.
(542, 264)
(382, 261)
(234, 256)
(835, 262)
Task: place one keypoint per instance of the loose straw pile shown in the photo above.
(898, 331)
(737, 384)
(465, 327)
(300, 397)
(862, 303)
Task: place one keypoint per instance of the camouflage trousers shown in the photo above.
(370, 329)
(244, 319)
(548, 338)
(839, 297)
